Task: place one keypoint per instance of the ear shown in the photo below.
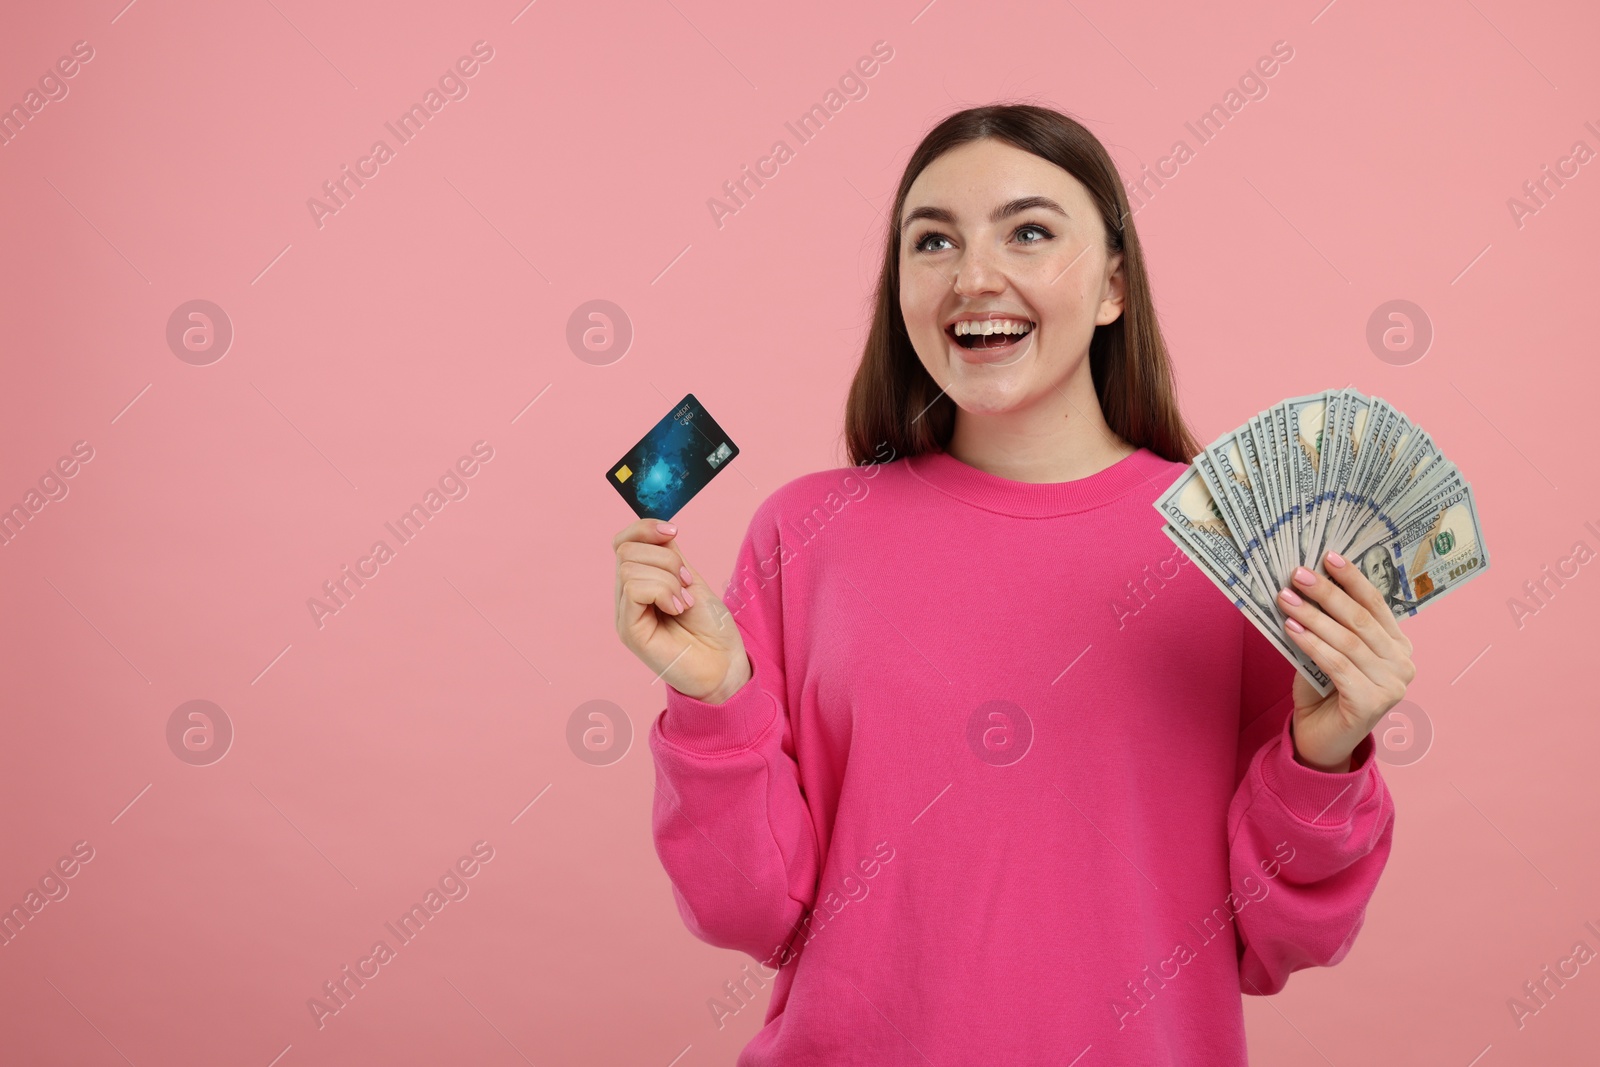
(1115, 292)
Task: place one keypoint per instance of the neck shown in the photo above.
(1061, 437)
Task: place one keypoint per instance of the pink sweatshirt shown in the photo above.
(1012, 782)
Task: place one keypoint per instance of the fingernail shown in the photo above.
(688, 598)
(667, 528)
(677, 605)
(1294, 624)
(1334, 559)
(683, 572)
(1304, 577)
(1289, 596)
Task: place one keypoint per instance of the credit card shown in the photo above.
(673, 462)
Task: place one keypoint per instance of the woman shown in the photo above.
(973, 763)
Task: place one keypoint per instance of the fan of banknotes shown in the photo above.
(1334, 470)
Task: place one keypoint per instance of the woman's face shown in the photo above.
(1040, 266)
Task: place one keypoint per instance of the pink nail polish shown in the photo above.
(683, 572)
(1289, 596)
(667, 528)
(1294, 624)
(1334, 559)
(688, 598)
(677, 605)
(1304, 577)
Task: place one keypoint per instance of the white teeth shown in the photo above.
(984, 327)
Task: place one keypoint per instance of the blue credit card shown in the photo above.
(673, 462)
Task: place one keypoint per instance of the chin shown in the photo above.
(990, 398)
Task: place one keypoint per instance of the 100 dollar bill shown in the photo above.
(1431, 554)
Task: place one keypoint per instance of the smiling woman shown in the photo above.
(1065, 794)
(1062, 308)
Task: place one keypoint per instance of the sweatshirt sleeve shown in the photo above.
(730, 822)
(1305, 847)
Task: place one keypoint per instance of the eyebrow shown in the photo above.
(1005, 210)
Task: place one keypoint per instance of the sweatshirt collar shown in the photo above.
(1036, 500)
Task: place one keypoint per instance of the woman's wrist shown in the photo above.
(1340, 767)
(730, 685)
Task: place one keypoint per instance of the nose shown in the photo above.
(977, 273)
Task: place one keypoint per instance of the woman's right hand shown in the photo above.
(679, 629)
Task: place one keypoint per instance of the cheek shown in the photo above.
(1058, 305)
(1066, 280)
(919, 297)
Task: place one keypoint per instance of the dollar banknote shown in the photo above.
(1331, 471)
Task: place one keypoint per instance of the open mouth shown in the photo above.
(1000, 336)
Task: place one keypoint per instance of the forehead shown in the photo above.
(971, 179)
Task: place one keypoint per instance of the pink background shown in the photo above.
(372, 352)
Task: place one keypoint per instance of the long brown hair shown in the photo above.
(895, 402)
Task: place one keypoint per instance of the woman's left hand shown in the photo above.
(1352, 635)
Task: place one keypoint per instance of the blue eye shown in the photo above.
(921, 245)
